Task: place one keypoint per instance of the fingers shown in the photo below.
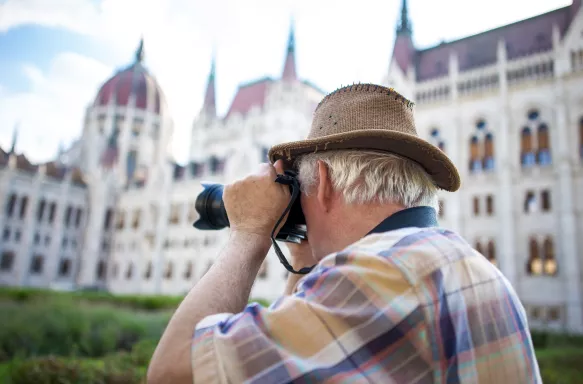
(279, 166)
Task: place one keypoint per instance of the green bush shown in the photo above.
(58, 370)
(561, 366)
(140, 302)
(70, 329)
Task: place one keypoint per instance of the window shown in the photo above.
(478, 247)
(36, 266)
(481, 148)
(11, 204)
(17, 235)
(175, 213)
(550, 263)
(188, 270)
(78, 216)
(6, 261)
(52, 212)
(546, 200)
(108, 219)
(130, 271)
(437, 140)
(490, 205)
(554, 314)
(148, 272)
(530, 202)
(491, 253)
(475, 161)
(131, 163)
(40, 211)
(64, 267)
(36, 238)
(535, 149)
(120, 220)
(535, 265)
(6, 234)
(114, 270)
(476, 206)
(544, 153)
(526, 151)
(68, 214)
(23, 206)
(136, 221)
(168, 272)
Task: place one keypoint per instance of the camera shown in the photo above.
(213, 216)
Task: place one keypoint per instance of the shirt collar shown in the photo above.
(420, 217)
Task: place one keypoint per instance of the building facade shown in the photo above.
(115, 212)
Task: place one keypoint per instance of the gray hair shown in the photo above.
(371, 177)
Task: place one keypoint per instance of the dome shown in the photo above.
(135, 80)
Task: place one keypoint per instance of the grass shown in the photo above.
(51, 337)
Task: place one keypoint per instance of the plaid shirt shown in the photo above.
(414, 305)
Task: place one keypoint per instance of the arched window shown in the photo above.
(526, 152)
(544, 151)
(535, 263)
(41, 210)
(550, 262)
(475, 160)
(490, 205)
(131, 163)
(436, 139)
(491, 252)
(489, 152)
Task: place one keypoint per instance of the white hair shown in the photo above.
(371, 177)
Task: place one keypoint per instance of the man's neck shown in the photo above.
(353, 222)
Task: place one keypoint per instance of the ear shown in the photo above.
(325, 188)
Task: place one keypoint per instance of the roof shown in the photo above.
(250, 95)
(136, 80)
(523, 38)
(53, 170)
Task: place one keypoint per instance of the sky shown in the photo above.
(55, 54)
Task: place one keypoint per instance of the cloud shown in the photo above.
(54, 107)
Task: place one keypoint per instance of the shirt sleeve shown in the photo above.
(350, 311)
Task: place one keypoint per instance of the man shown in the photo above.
(393, 297)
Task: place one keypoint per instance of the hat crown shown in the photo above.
(363, 107)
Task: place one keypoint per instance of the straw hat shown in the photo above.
(373, 117)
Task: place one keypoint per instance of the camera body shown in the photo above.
(213, 216)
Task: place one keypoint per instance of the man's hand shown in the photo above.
(255, 203)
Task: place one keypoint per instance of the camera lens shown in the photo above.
(211, 208)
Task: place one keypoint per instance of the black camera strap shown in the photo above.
(294, 185)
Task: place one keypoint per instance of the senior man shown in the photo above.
(393, 298)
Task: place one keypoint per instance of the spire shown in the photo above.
(140, 51)
(289, 68)
(14, 139)
(404, 50)
(404, 26)
(209, 98)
